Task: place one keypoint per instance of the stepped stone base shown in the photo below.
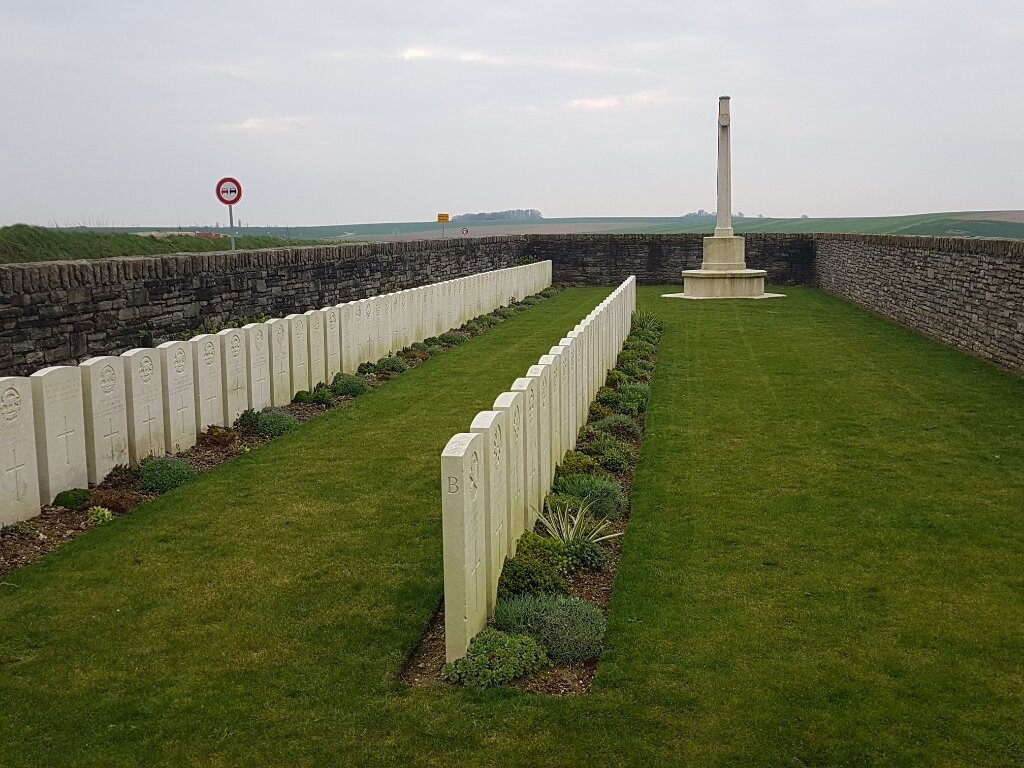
(723, 284)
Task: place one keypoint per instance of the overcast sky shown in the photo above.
(126, 112)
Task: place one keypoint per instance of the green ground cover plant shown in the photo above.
(496, 658)
(276, 423)
(75, 499)
(163, 474)
(570, 630)
(600, 492)
(826, 576)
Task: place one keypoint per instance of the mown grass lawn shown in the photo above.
(825, 567)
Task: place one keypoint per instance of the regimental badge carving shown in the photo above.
(332, 321)
(259, 339)
(543, 396)
(10, 404)
(209, 353)
(496, 446)
(236, 346)
(280, 338)
(532, 403)
(108, 379)
(299, 330)
(474, 475)
(146, 369)
(316, 323)
(517, 423)
(180, 360)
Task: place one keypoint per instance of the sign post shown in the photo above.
(442, 219)
(229, 192)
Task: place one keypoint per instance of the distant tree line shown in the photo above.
(515, 214)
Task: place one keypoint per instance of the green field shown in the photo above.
(824, 567)
(21, 243)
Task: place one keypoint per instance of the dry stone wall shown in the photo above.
(965, 292)
(661, 259)
(63, 312)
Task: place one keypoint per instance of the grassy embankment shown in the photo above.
(21, 243)
(823, 568)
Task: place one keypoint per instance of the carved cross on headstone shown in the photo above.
(182, 409)
(66, 434)
(148, 421)
(109, 437)
(14, 468)
(261, 381)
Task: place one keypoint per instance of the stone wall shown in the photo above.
(965, 292)
(60, 313)
(660, 259)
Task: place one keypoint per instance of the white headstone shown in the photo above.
(569, 373)
(280, 334)
(397, 323)
(558, 448)
(349, 336)
(145, 396)
(316, 327)
(462, 525)
(332, 324)
(491, 424)
(179, 406)
(19, 470)
(532, 451)
(235, 370)
(543, 375)
(298, 333)
(257, 353)
(378, 331)
(512, 404)
(106, 415)
(208, 374)
(363, 313)
(60, 430)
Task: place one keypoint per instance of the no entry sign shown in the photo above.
(229, 191)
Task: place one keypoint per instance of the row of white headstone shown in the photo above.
(494, 478)
(66, 426)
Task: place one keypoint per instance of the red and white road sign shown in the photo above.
(229, 191)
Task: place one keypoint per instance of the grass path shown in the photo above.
(824, 568)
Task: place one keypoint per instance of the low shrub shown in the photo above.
(569, 629)
(491, 319)
(322, 395)
(548, 550)
(100, 515)
(392, 365)
(303, 397)
(585, 555)
(435, 349)
(224, 437)
(531, 301)
(530, 576)
(651, 337)
(610, 452)
(636, 373)
(471, 327)
(414, 355)
(631, 357)
(576, 463)
(630, 399)
(276, 423)
(495, 658)
(432, 341)
(76, 499)
(615, 379)
(247, 421)
(547, 293)
(643, 348)
(598, 411)
(421, 346)
(519, 306)
(454, 338)
(619, 425)
(367, 369)
(603, 494)
(345, 384)
(504, 312)
(164, 474)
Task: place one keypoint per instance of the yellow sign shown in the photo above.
(442, 218)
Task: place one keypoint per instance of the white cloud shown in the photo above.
(269, 124)
(442, 54)
(607, 102)
(614, 102)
